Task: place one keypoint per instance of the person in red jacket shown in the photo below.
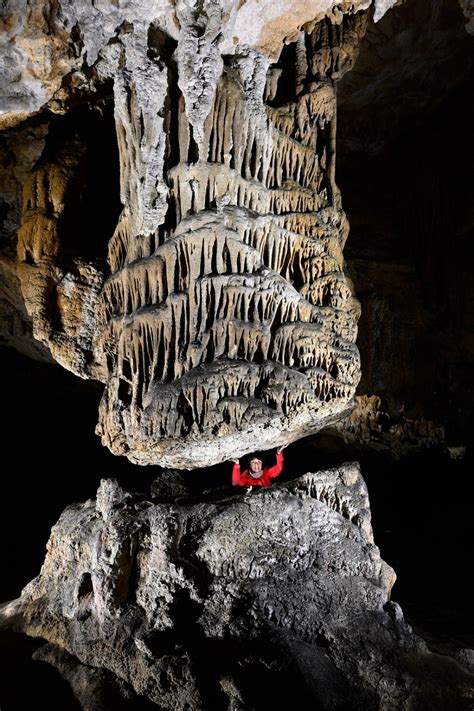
(257, 474)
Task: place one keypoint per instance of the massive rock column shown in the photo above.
(224, 321)
(228, 321)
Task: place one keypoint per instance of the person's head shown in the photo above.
(255, 465)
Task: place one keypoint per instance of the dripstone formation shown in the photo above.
(233, 321)
(172, 228)
(224, 319)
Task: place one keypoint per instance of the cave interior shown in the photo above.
(405, 161)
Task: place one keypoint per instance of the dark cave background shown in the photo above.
(406, 170)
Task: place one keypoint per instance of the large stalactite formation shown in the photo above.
(224, 320)
(172, 228)
(233, 318)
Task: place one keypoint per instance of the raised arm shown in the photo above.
(277, 469)
(236, 481)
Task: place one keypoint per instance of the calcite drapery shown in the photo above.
(60, 294)
(228, 322)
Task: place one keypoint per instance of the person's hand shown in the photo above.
(281, 448)
(236, 461)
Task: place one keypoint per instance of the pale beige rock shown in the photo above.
(370, 424)
(60, 301)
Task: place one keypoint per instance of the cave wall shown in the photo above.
(405, 167)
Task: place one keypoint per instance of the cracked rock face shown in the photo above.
(224, 320)
(193, 603)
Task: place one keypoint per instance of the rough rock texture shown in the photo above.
(370, 425)
(226, 313)
(94, 689)
(468, 9)
(17, 160)
(192, 602)
(43, 44)
(421, 46)
(55, 217)
(234, 319)
(50, 292)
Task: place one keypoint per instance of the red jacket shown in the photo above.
(269, 473)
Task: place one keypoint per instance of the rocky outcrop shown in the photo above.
(372, 427)
(468, 9)
(407, 65)
(192, 602)
(60, 300)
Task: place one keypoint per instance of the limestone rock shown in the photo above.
(191, 602)
(42, 43)
(425, 43)
(369, 424)
(233, 320)
(225, 320)
(19, 149)
(60, 300)
(409, 263)
(94, 689)
(468, 9)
